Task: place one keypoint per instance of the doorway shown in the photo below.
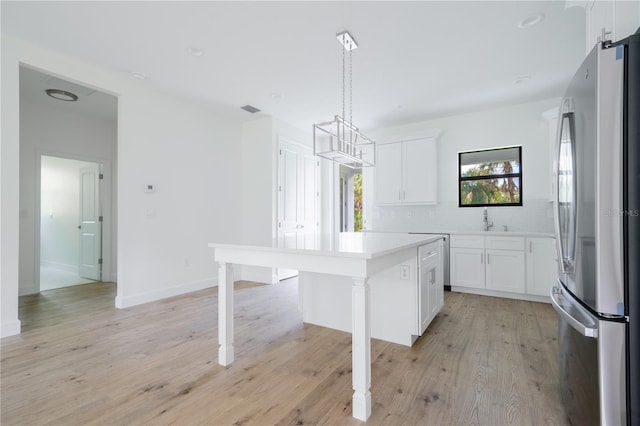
(350, 199)
(70, 222)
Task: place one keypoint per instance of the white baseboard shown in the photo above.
(10, 328)
(26, 290)
(504, 294)
(151, 296)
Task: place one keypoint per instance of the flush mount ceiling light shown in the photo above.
(340, 140)
(531, 20)
(522, 79)
(138, 75)
(195, 51)
(62, 95)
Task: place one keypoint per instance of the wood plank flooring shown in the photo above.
(79, 361)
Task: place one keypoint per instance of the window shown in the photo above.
(490, 177)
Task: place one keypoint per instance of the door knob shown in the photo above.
(79, 226)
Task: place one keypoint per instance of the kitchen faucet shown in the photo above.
(485, 219)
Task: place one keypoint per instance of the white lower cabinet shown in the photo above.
(491, 263)
(430, 283)
(505, 270)
(541, 265)
(467, 267)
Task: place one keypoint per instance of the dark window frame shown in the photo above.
(487, 177)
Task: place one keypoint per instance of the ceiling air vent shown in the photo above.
(250, 108)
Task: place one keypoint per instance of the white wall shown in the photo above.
(520, 124)
(60, 212)
(48, 130)
(188, 150)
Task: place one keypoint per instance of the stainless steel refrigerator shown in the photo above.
(597, 209)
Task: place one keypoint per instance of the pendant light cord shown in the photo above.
(343, 79)
(351, 96)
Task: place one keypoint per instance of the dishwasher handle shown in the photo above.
(587, 330)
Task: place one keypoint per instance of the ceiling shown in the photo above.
(416, 60)
(33, 86)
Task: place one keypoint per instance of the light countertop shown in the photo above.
(349, 244)
(496, 233)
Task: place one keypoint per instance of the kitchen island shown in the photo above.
(359, 256)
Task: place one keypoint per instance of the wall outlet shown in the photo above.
(404, 272)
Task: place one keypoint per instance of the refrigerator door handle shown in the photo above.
(587, 330)
(566, 195)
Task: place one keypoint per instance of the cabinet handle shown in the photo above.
(482, 258)
(399, 195)
(488, 259)
(530, 246)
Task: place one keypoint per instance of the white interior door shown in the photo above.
(288, 198)
(307, 201)
(90, 223)
(297, 199)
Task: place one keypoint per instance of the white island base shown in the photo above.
(394, 303)
(357, 256)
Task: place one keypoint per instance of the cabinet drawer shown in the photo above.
(467, 241)
(429, 252)
(505, 243)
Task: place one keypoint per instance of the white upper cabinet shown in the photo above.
(388, 172)
(613, 19)
(406, 172)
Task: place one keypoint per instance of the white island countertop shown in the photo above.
(363, 245)
(358, 256)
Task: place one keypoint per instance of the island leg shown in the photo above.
(361, 348)
(225, 313)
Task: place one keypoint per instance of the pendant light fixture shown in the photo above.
(340, 140)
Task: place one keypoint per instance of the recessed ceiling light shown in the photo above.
(138, 75)
(523, 79)
(276, 96)
(62, 95)
(531, 20)
(195, 51)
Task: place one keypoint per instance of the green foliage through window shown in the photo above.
(357, 202)
(490, 177)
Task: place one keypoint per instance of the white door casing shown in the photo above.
(90, 227)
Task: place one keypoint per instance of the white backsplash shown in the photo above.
(535, 215)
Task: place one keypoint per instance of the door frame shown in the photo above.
(105, 202)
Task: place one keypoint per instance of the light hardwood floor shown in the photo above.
(79, 361)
